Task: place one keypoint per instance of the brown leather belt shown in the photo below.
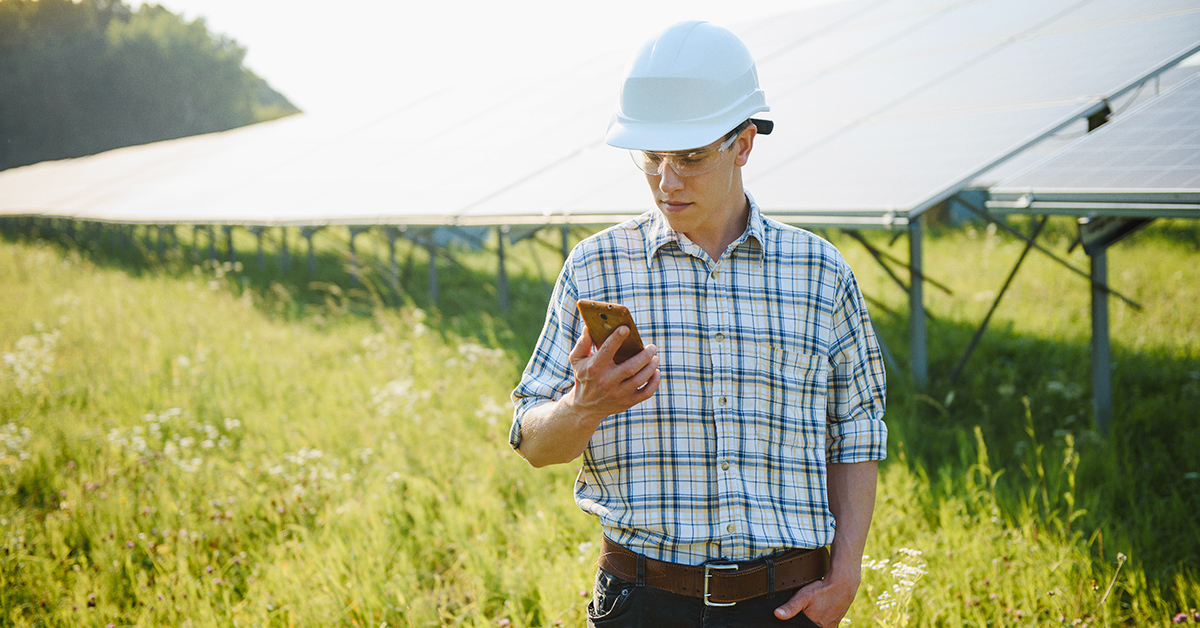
(719, 584)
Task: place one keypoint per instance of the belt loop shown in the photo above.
(641, 570)
(770, 578)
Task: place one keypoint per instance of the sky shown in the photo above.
(328, 56)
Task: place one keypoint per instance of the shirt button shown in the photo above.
(729, 528)
(716, 273)
(720, 337)
(722, 401)
(724, 466)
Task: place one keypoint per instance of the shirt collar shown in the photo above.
(659, 233)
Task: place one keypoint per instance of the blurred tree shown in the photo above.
(81, 77)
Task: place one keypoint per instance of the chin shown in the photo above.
(678, 223)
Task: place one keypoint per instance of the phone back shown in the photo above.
(602, 319)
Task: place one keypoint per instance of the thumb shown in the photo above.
(583, 346)
(800, 601)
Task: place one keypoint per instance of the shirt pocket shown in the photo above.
(789, 389)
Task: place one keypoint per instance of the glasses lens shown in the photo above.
(696, 163)
(650, 163)
(684, 164)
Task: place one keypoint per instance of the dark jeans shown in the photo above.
(620, 604)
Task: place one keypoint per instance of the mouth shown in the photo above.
(674, 205)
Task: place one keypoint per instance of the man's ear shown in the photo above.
(744, 144)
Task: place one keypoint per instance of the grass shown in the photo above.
(183, 443)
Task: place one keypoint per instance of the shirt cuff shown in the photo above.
(858, 440)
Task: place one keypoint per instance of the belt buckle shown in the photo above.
(708, 567)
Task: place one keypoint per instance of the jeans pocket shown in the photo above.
(610, 597)
(803, 621)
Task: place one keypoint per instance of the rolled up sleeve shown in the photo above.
(548, 375)
(855, 430)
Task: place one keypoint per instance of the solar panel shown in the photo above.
(883, 108)
(1044, 71)
(1148, 155)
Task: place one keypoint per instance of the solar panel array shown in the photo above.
(882, 107)
(1148, 155)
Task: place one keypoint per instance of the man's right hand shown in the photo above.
(604, 388)
(559, 431)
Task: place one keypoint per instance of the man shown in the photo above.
(719, 458)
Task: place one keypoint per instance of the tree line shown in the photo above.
(80, 77)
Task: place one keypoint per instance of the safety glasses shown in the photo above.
(685, 164)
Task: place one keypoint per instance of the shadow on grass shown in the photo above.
(294, 285)
(1138, 489)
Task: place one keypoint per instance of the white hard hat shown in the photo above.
(687, 88)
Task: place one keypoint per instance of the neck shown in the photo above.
(733, 229)
(727, 225)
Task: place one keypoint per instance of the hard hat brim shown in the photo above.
(661, 137)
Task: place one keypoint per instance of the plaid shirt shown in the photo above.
(770, 370)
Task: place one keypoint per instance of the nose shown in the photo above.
(669, 181)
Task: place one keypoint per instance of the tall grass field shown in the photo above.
(186, 442)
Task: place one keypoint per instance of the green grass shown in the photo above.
(221, 445)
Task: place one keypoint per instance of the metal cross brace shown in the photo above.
(992, 219)
(962, 362)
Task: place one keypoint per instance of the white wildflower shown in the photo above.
(490, 410)
(13, 441)
(32, 359)
(473, 353)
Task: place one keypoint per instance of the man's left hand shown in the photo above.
(824, 601)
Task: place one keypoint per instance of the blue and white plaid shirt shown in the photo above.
(770, 370)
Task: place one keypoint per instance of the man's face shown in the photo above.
(705, 203)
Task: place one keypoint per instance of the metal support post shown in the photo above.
(229, 244)
(355, 269)
(916, 305)
(501, 272)
(212, 245)
(882, 258)
(162, 246)
(393, 233)
(308, 233)
(258, 233)
(566, 241)
(285, 256)
(1102, 395)
(433, 273)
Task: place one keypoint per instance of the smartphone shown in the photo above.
(602, 319)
